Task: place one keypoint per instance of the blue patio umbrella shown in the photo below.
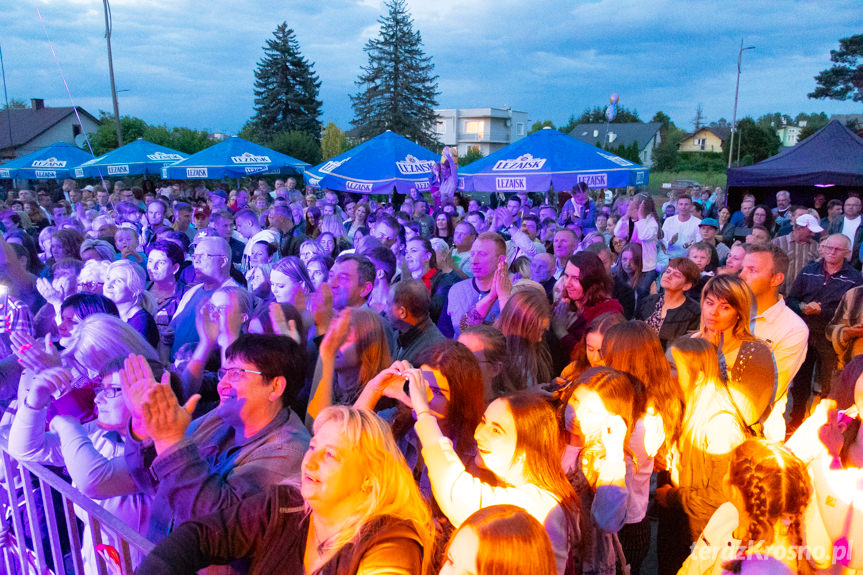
(56, 162)
(377, 166)
(138, 157)
(233, 158)
(548, 159)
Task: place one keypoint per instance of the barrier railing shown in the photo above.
(26, 528)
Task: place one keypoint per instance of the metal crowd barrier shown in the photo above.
(25, 531)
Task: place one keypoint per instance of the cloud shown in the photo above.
(190, 64)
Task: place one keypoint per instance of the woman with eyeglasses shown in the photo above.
(92, 452)
(94, 338)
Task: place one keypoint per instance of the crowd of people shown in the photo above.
(276, 380)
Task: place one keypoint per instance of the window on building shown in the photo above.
(76, 129)
(474, 126)
(519, 129)
(440, 127)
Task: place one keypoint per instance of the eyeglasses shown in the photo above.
(90, 286)
(200, 257)
(110, 391)
(213, 309)
(233, 373)
(833, 248)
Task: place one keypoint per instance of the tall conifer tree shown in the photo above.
(398, 88)
(286, 89)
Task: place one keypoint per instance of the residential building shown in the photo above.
(39, 126)
(647, 136)
(705, 139)
(483, 129)
(789, 135)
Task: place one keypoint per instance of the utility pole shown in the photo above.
(736, 90)
(108, 26)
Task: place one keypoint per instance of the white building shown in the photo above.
(483, 129)
(789, 135)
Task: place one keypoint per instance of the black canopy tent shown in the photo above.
(829, 161)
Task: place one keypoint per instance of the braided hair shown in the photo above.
(775, 486)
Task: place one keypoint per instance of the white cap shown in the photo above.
(811, 222)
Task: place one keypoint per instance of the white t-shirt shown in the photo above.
(687, 234)
(849, 228)
(646, 231)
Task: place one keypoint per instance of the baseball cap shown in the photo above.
(90, 188)
(811, 222)
(221, 193)
(709, 222)
(201, 211)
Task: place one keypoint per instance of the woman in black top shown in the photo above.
(672, 314)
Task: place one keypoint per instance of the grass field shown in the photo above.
(712, 179)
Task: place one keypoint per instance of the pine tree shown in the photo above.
(286, 89)
(397, 89)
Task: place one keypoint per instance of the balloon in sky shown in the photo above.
(610, 112)
(614, 99)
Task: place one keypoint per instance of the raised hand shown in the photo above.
(336, 336)
(281, 325)
(136, 379)
(208, 330)
(612, 436)
(47, 291)
(53, 382)
(391, 383)
(419, 390)
(503, 286)
(165, 418)
(654, 431)
(34, 355)
(231, 320)
(322, 308)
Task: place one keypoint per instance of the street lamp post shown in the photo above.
(736, 90)
(111, 73)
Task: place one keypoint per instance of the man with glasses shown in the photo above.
(849, 226)
(815, 295)
(212, 263)
(250, 441)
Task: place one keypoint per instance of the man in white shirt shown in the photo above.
(764, 268)
(849, 226)
(681, 230)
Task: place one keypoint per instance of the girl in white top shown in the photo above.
(647, 233)
(518, 442)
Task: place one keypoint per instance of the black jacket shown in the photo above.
(268, 532)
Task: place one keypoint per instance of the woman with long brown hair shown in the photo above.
(524, 322)
(634, 348)
(353, 351)
(453, 378)
(499, 540)
(711, 428)
(629, 266)
(586, 295)
(598, 421)
(519, 443)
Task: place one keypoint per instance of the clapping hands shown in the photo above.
(34, 355)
